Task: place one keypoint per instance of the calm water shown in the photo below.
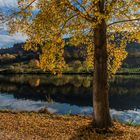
(69, 94)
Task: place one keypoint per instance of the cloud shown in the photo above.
(8, 3)
(8, 101)
(7, 40)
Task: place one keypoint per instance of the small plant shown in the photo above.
(69, 112)
(130, 122)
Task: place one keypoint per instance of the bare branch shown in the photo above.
(16, 13)
(82, 7)
(68, 21)
(123, 21)
(80, 13)
(111, 5)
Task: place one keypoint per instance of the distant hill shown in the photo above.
(16, 54)
(16, 49)
(71, 54)
(133, 58)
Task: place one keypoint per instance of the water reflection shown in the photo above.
(75, 90)
(68, 94)
(68, 89)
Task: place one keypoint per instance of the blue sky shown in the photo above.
(7, 40)
(8, 3)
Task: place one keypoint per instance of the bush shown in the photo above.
(34, 63)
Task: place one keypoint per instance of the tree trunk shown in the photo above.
(102, 117)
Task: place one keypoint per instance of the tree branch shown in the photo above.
(83, 8)
(110, 5)
(86, 16)
(16, 13)
(57, 35)
(122, 21)
(68, 21)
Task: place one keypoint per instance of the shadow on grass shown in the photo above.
(90, 133)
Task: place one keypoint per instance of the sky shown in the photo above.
(7, 40)
(8, 3)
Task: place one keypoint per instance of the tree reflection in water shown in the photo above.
(73, 90)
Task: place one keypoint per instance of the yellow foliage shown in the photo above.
(115, 57)
(78, 20)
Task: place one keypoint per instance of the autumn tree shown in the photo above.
(104, 26)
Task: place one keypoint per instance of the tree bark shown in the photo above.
(102, 117)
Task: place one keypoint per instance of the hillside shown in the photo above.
(18, 59)
(133, 58)
(15, 54)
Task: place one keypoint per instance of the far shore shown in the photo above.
(64, 73)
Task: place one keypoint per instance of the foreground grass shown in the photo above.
(39, 126)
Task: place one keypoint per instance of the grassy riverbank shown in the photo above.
(75, 67)
(39, 126)
(28, 70)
